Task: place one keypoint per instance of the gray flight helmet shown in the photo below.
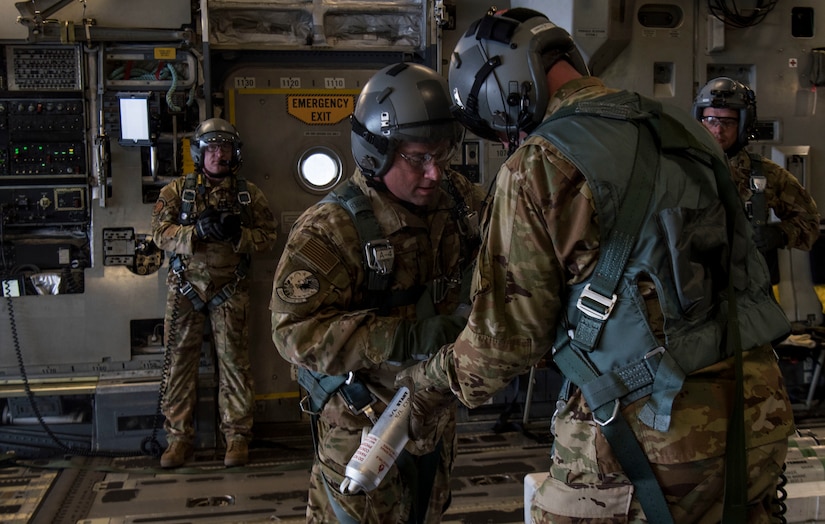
(403, 102)
(497, 74)
(724, 92)
(216, 131)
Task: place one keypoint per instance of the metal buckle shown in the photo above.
(380, 255)
(612, 415)
(653, 352)
(441, 286)
(366, 410)
(188, 195)
(186, 288)
(304, 405)
(608, 303)
(229, 288)
(758, 184)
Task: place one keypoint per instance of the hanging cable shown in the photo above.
(733, 17)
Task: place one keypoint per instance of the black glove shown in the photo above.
(230, 226)
(769, 237)
(208, 224)
(418, 340)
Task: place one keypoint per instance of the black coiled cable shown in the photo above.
(150, 445)
(88, 452)
(778, 505)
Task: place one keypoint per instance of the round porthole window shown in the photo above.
(319, 169)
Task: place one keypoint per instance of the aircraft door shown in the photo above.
(294, 124)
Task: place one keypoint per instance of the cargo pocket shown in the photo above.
(347, 508)
(557, 502)
(696, 241)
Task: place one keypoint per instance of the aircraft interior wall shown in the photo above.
(81, 313)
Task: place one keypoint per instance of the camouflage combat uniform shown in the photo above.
(319, 322)
(791, 202)
(544, 237)
(209, 266)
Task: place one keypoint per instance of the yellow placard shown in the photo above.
(165, 53)
(319, 109)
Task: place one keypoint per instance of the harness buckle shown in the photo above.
(229, 288)
(186, 288)
(188, 195)
(380, 255)
(608, 304)
(758, 183)
(653, 352)
(441, 286)
(612, 415)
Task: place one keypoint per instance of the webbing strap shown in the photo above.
(358, 205)
(340, 513)
(736, 461)
(186, 289)
(597, 302)
(622, 440)
(188, 196)
(319, 387)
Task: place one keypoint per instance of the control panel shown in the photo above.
(44, 68)
(43, 164)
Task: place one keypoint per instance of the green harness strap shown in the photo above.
(378, 252)
(605, 280)
(607, 273)
(193, 185)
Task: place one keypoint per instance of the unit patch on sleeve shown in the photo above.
(298, 287)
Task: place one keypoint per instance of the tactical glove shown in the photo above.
(769, 237)
(431, 409)
(208, 224)
(230, 228)
(419, 339)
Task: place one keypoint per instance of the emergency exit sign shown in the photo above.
(315, 109)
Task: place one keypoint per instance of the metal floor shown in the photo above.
(494, 456)
(488, 484)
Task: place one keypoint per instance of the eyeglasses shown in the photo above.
(223, 148)
(720, 121)
(422, 162)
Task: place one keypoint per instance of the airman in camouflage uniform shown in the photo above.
(727, 108)
(210, 252)
(792, 204)
(542, 237)
(322, 318)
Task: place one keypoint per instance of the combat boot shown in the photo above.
(176, 454)
(237, 452)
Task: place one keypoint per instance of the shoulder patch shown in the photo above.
(298, 287)
(159, 205)
(315, 252)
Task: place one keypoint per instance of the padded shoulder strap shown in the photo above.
(350, 197)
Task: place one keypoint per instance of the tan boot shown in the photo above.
(176, 454)
(237, 452)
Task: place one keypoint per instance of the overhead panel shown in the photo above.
(319, 25)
